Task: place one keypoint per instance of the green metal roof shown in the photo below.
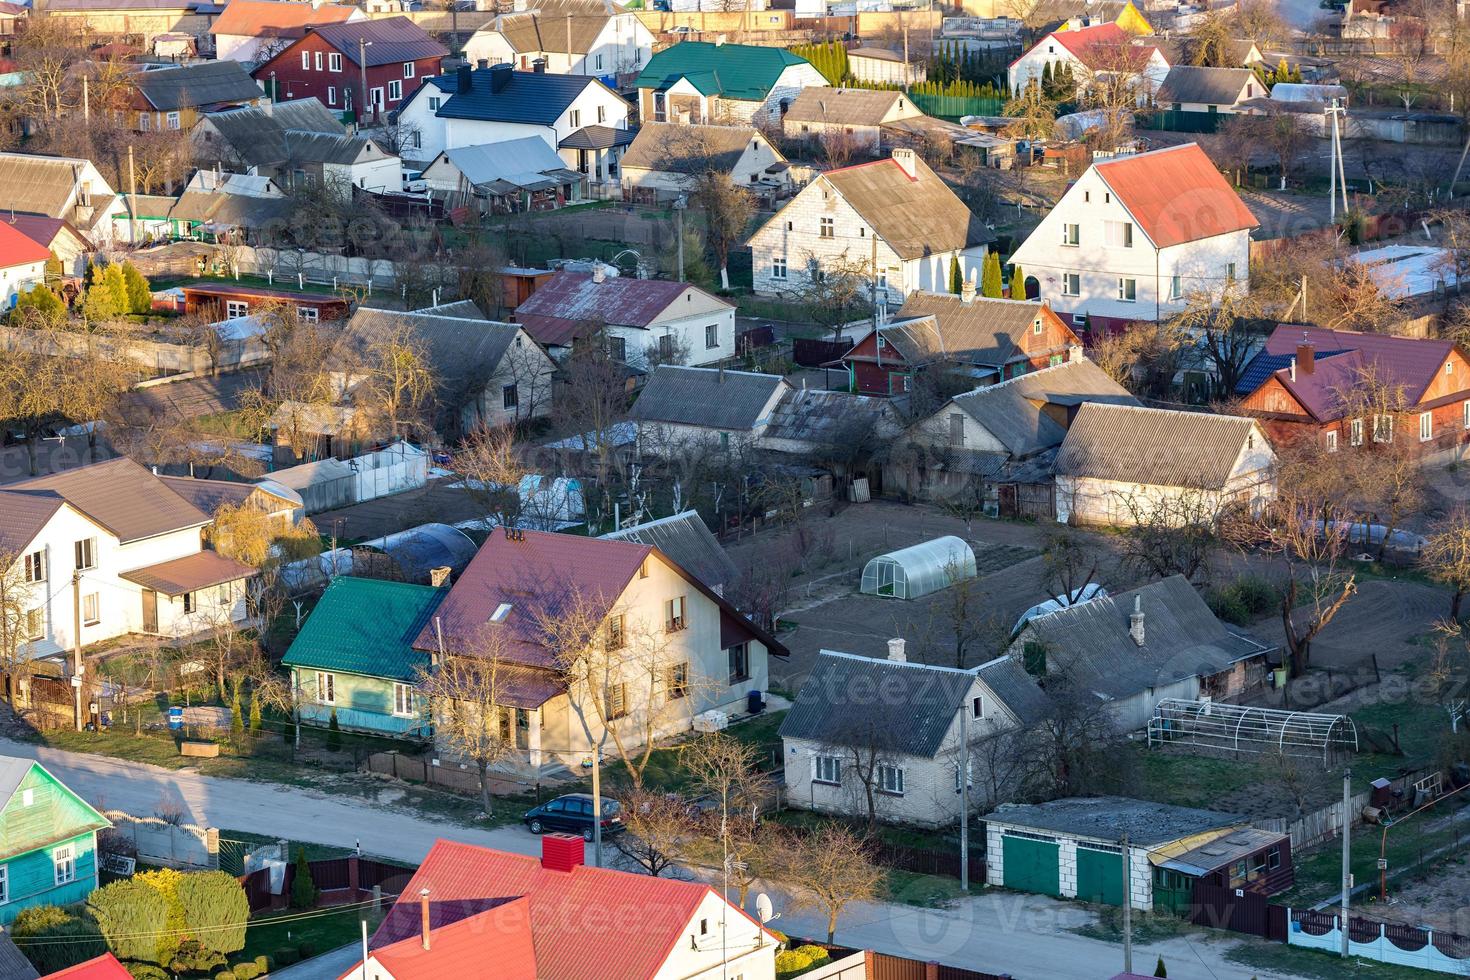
(366, 626)
(735, 71)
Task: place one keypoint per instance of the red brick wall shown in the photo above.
(295, 82)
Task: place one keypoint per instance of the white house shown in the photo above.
(1101, 50)
(1120, 464)
(685, 407)
(1135, 237)
(672, 320)
(898, 727)
(63, 187)
(253, 31)
(884, 66)
(113, 546)
(579, 117)
(612, 44)
(714, 82)
(512, 176)
(1194, 89)
(22, 263)
(895, 210)
(664, 158)
(855, 115)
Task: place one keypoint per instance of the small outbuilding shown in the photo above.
(919, 570)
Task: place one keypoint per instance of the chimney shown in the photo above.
(598, 275)
(1293, 369)
(439, 577)
(500, 76)
(895, 650)
(562, 852)
(1135, 621)
(539, 66)
(1306, 356)
(483, 63)
(904, 157)
(462, 79)
(424, 915)
(967, 289)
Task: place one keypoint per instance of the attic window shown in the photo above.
(1107, 199)
(501, 613)
(1449, 367)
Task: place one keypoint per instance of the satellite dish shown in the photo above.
(763, 910)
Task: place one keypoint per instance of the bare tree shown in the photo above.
(837, 291)
(18, 574)
(834, 869)
(1115, 86)
(492, 467)
(658, 830)
(869, 745)
(1076, 744)
(466, 697)
(399, 383)
(1070, 568)
(593, 400)
(1446, 556)
(1171, 534)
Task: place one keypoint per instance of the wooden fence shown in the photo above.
(1219, 907)
(882, 966)
(930, 861)
(809, 352)
(339, 880)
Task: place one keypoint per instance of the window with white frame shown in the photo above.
(827, 769)
(1119, 234)
(334, 61)
(1071, 284)
(1127, 290)
(306, 61)
(408, 69)
(711, 335)
(1072, 235)
(1355, 432)
(236, 307)
(1176, 287)
(1332, 441)
(191, 602)
(326, 687)
(601, 111)
(778, 271)
(739, 662)
(674, 614)
(1229, 272)
(574, 119)
(889, 779)
(145, 121)
(4, 884)
(1426, 426)
(395, 90)
(85, 553)
(677, 682)
(173, 121)
(331, 95)
(433, 103)
(1036, 326)
(35, 562)
(64, 862)
(826, 228)
(403, 700)
(1383, 428)
(91, 609)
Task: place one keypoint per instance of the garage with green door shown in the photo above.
(1032, 863)
(1099, 874)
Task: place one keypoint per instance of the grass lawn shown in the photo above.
(664, 772)
(1278, 957)
(322, 930)
(1189, 780)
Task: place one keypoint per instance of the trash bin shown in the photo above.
(755, 702)
(175, 719)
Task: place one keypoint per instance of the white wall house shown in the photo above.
(64, 187)
(607, 46)
(661, 159)
(725, 84)
(1135, 237)
(112, 545)
(683, 409)
(253, 31)
(22, 264)
(1103, 49)
(896, 207)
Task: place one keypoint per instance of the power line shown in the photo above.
(184, 933)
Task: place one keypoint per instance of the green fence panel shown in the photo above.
(954, 106)
(1181, 120)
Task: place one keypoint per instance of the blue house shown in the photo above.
(48, 839)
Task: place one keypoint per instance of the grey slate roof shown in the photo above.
(339, 148)
(120, 495)
(916, 216)
(463, 353)
(943, 326)
(908, 705)
(464, 309)
(257, 134)
(683, 149)
(391, 40)
(709, 397)
(1211, 86)
(529, 97)
(206, 83)
(814, 416)
(688, 542)
(1013, 410)
(1153, 446)
(13, 963)
(1090, 642)
(843, 106)
(1016, 689)
(1108, 818)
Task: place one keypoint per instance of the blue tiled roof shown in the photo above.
(529, 97)
(1263, 365)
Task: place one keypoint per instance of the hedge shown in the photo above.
(134, 918)
(215, 910)
(44, 924)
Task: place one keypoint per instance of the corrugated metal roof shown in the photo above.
(1090, 643)
(267, 18)
(572, 300)
(202, 84)
(104, 967)
(120, 495)
(393, 39)
(496, 944)
(524, 158)
(687, 541)
(915, 216)
(1016, 689)
(529, 97)
(201, 570)
(898, 706)
(1110, 817)
(40, 184)
(18, 248)
(13, 963)
(743, 72)
(826, 417)
(713, 398)
(528, 32)
(1176, 195)
(1154, 446)
(1012, 411)
(367, 627)
(596, 138)
(256, 135)
(209, 495)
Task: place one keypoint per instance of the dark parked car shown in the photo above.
(573, 814)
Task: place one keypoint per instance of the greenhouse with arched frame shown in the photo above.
(919, 570)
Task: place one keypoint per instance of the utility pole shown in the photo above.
(569, 48)
(1347, 875)
(362, 45)
(680, 203)
(132, 199)
(86, 102)
(597, 797)
(964, 800)
(1338, 174)
(76, 646)
(1127, 910)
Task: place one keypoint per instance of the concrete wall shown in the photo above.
(155, 356)
(379, 474)
(173, 845)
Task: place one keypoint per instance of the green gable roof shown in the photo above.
(735, 71)
(366, 626)
(37, 809)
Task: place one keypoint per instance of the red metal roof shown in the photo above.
(627, 922)
(104, 967)
(1411, 363)
(1176, 195)
(1090, 43)
(18, 248)
(492, 945)
(572, 300)
(269, 18)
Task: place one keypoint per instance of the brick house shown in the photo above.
(988, 339)
(327, 64)
(1306, 380)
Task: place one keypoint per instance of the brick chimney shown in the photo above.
(562, 852)
(904, 157)
(895, 649)
(1135, 621)
(1306, 356)
(967, 289)
(424, 916)
(598, 273)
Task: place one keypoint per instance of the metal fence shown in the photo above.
(930, 861)
(1181, 120)
(954, 106)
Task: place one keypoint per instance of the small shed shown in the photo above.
(919, 570)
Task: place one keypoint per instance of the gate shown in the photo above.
(1099, 874)
(1032, 864)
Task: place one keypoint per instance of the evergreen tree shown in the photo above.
(334, 733)
(956, 278)
(107, 297)
(1018, 283)
(990, 276)
(255, 718)
(1048, 82)
(39, 305)
(140, 297)
(237, 717)
(1159, 970)
(303, 888)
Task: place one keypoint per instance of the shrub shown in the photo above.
(1257, 594)
(140, 298)
(303, 889)
(1225, 604)
(1160, 971)
(166, 882)
(246, 971)
(285, 956)
(194, 957)
(35, 931)
(816, 954)
(215, 910)
(307, 950)
(263, 964)
(791, 962)
(224, 975)
(334, 733)
(134, 918)
(147, 971)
